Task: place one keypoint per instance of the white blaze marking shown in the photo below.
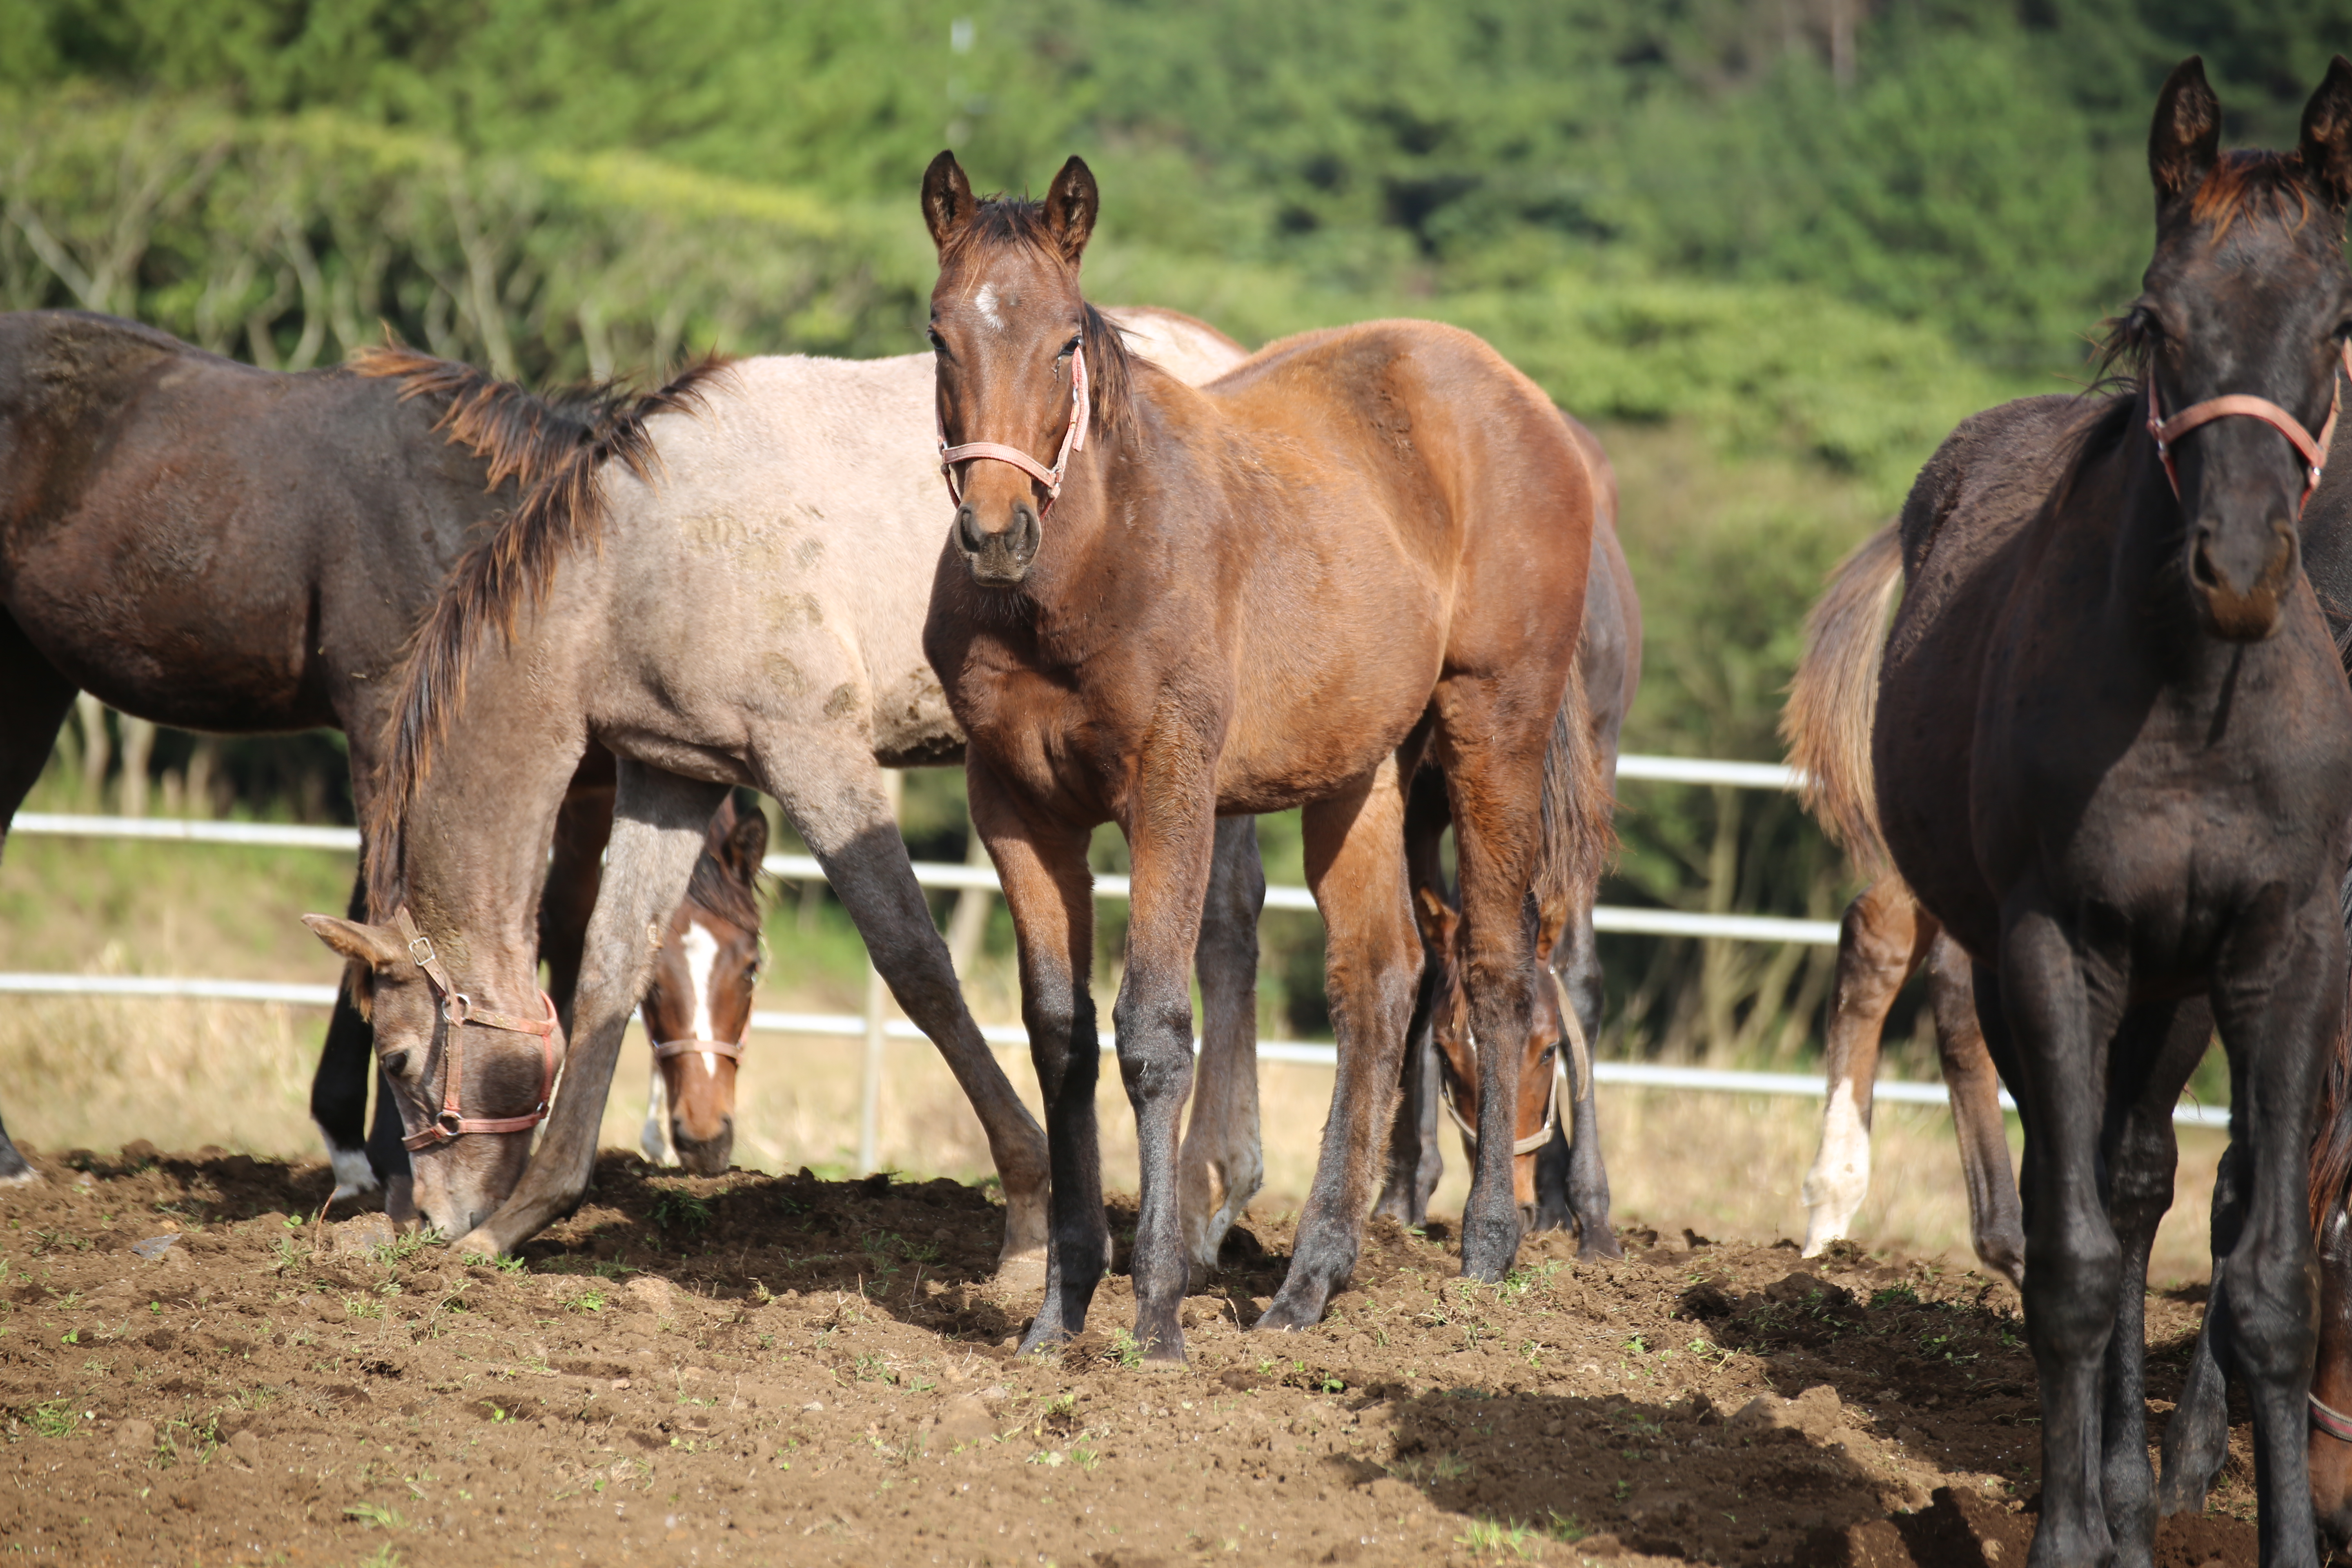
(985, 303)
(702, 951)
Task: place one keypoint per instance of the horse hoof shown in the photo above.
(479, 1243)
(1604, 1246)
(1287, 1318)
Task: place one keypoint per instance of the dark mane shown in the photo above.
(1110, 364)
(555, 451)
(737, 903)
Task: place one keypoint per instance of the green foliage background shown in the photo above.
(1775, 248)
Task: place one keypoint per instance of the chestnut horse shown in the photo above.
(698, 1009)
(2113, 755)
(217, 547)
(1360, 547)
(1885, 938)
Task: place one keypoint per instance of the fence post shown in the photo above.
(877, 1002)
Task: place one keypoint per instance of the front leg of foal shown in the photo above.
(2156, 1050)
(1172, 842)
(1372, 967)
(2278, 996)
(2076, 1263)
(1041, 864)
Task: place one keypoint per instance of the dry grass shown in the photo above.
(95, 1073)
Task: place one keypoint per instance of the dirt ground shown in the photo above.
(785, 1369)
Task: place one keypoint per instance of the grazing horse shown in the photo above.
(1569, 1181)
(2113, 754)
(1886, 938)
(217, 547)
(698, 1010)
(1360, 547)
(754, 617)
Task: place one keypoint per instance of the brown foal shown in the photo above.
(1362, 546)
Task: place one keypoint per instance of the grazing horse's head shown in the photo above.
(698, 1010)
(1016, 347)
(1457, 1050)
(471, 1061)
(2242, 319)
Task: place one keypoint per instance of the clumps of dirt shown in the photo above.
(769, 1369)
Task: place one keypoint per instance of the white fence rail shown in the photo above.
(933, 874)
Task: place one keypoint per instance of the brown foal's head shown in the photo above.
(1007, 323)
(457, 1181)
(2247, 295)
(1457, 1051)
(703, 979)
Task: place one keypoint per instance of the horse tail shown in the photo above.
(1834, 701)
(555, 451)
(1578, 837)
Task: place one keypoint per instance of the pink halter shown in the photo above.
(2315, 452)
(1074, 440)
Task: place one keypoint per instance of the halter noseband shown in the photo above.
(2314, 452)
(459, 1010)
(1542, 1135)
(1074, 440)
(2330, 1420)
(666, 1049)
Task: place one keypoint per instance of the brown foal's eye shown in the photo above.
(395, 1062)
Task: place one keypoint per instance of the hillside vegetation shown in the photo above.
(1774, 248)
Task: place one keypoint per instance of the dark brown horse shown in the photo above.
(217, 547)
(1362, 546)
(2113, 754)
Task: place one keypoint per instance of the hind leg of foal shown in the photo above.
(2151, 1057)
(1882, 941)
(1042, 866)
(2278, 997)
(1416, 1155)
(1996, 1226)
(34, 700)
(339, 1088)
(2054, 1000)
(1586, 1175)
(1221, 1166)
(1372, 969)
(2196, 1438)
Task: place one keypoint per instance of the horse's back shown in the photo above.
(178, 525)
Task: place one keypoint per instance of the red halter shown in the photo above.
(459, 1010)
(2315, 452)
(667, 1050)
(1074, 440)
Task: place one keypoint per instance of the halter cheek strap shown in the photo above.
(1074, 440)
(2313, 451)
(2328, 1419)
(459, 1010)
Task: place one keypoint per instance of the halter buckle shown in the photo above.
(426, 959)
(448, 1123)
(458, 1009)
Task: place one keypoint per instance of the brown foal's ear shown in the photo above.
(2327, 134)
(2186, 138)
(1547, 929)
(948, 204)
(1436, 919)
(745, 848)
(373, 946)
(1071, 204)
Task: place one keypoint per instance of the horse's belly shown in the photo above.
(158, 632)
